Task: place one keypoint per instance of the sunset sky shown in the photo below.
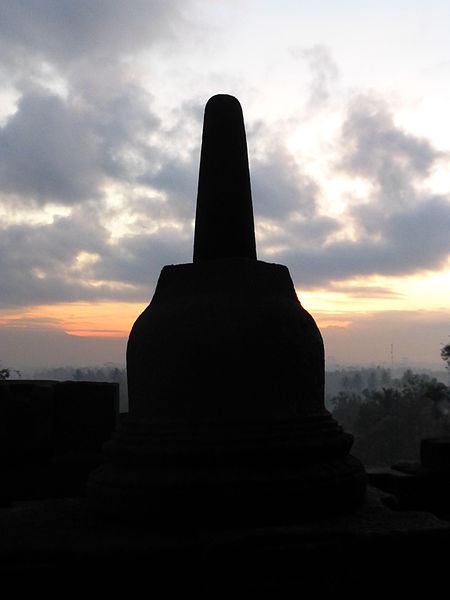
(346, 106)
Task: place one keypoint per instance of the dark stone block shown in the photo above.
(435, 454)
(27, 410)
(86, 413)
(420, 486)
(52, 434)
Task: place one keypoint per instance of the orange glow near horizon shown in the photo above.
(336, 305)
(84, 319)
(427, 291)
(102, 319)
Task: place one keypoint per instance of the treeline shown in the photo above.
(356, 380)
(387, 413)
(388, 422)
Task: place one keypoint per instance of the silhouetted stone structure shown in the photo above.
(421, 486)
(226, 377)
(51, 435)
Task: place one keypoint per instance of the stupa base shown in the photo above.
(248, 478)
(193, 497)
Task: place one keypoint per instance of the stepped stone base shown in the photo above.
(222, 473)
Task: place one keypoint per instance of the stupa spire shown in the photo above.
(224, 226)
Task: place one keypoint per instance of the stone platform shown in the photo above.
(57, 542)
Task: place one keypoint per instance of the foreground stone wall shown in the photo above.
(52, 433)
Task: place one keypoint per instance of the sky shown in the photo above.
(346, 111)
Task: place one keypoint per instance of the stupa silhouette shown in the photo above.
(226, 377)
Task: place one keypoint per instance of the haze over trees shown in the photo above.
(389, 423)
(387, 411)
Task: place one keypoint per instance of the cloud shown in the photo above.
(65, 146)
(362, 290)
(58, 150)
(83, 114)
(38, 261)
(277, 241)
(375, 148)
(279, 187)
(63, 32)
(324, 72)
(35, 262)
(85, 134)
(138, 259)
(48, 152)
(176, 178)
(89, 134)
(410, 242)
(399, 228)
(74, 258)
